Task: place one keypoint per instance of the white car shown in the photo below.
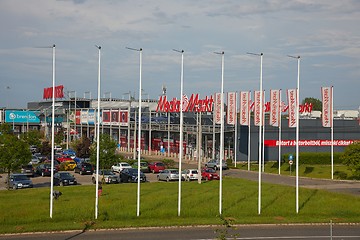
(190, 174)
(118, 167)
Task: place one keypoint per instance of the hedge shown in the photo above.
(314, 157)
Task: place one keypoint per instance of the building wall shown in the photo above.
(310, 129)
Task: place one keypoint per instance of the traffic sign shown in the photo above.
(291, 162)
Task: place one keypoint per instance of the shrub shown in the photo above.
(314, 158)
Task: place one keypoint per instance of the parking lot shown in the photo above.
(40, 181)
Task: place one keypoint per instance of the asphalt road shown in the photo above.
(241, 232)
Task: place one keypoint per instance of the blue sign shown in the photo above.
(290, 157)
(14, 116)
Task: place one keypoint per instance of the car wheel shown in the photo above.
(158, 178)
(14, 187)
(93, 180)
(61, 184)
(129, 179)
(42, 174)
(153, 171)
(215, 168)
(207, 178)
(81, 172)
(168, 179)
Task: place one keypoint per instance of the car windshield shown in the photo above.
(160, 164)
(20, 177)
(106, 172)
(125, 165)
(132, 170)
(65, 174)
(174, 171)
(210, 170)
(194, 171)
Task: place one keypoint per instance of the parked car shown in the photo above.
(84, 168)
(144, 166)
(64, 158)
(190, 174)
(34, 160)
(105, 176)
(18, 181)
(68, 165)
(33, 149)
(209, 174)
(168, 175)
(215, 164)
(44, 169)
(131, 175)
(64, 179)
(28, 170)
(118, 167)
(156, 167)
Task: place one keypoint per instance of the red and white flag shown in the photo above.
(231, 108)
(257, 105)
(327, 114)
(244, 108)
(275, 111)
(291, 94)
(217, 109)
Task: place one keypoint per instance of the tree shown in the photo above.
(351, 158)
(316, 103)
(33, 138)
(107, 155)
(82, 147)
(14, 153)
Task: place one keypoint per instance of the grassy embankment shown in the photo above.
(27, 210)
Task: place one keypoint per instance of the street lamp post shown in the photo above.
(260, 125)
(139, 131)
(98, 138)
(297, 130)
(221, 128)
(181, 125)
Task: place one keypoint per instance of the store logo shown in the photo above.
(12, 116)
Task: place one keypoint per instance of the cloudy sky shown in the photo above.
(325, 33)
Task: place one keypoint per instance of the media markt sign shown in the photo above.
(13, 116)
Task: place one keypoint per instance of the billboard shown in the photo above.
(15, 116)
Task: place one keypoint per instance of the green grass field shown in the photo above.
(27, 210)
(305, 170)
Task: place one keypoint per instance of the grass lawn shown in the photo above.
(27, 210)
(305, 170)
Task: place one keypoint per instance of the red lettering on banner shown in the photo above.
(194, 104)
(59, 92)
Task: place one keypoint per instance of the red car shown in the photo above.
(64, 158)
(209, 174)
(156, 167)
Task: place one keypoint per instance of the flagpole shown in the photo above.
(221, 129)
(297, 131)
(332, 132)
(263, 136)
(280, 110)
(52, 134)
(98, 140)
(235, 135)
(181, 126)
(139, 131)
(249, 133)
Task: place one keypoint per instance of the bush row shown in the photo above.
(314, 157)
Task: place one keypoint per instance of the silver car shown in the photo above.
(190, 174)
(168, 175)
(19, 181)
(215, 164)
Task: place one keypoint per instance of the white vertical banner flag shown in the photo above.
(217, 109)
(257, 105)
(327, 114)
(231, 108)
(244, 108)
(291, 94)
(275, 112)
